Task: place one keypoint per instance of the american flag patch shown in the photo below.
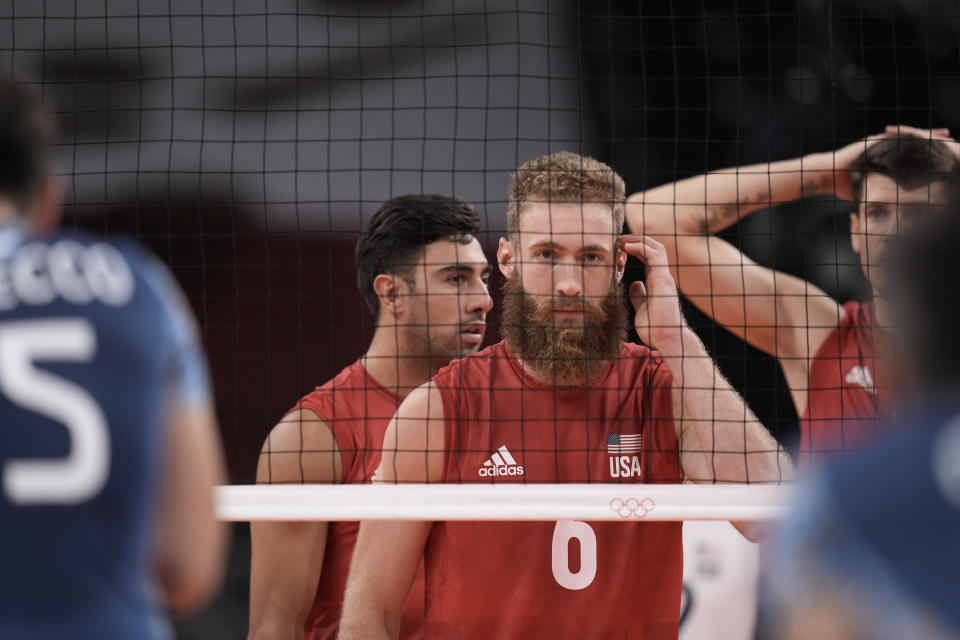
(623, 443)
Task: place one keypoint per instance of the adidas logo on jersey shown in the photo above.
(501, 463)
(861, 376)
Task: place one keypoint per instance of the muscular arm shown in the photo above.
(711, 202)
(777, 313)
(721, 441)
(388, 553)
(287, 557)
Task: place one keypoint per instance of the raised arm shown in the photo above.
(388, 552)
(780, 314)
(720, 439)
(287, 557)
(711, 202)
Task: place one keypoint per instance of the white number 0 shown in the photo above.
(565, 531)
(80, 475)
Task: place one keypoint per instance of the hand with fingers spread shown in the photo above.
(658, 319)
(942, 135)
(843, 158)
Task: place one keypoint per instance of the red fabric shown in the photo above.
(357, 409)
(842, 400)
(498, 579)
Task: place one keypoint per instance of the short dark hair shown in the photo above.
(908, 160)
(27, 131)
(924, 295)
(395, 236)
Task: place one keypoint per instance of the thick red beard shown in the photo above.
(566, 353)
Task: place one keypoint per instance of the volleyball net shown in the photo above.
(247, 143)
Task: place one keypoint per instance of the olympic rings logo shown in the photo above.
(632, 508)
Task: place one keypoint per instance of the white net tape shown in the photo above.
(502, 502)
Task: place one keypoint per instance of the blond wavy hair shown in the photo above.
(565, 177)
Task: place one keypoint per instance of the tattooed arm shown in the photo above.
(780, 314)
(714, 201)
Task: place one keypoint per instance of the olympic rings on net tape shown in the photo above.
(632, 507)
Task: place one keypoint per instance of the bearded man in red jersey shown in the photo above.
(562, 399)
(424, 276)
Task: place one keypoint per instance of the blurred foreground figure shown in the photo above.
(108, 445)
(871, 551)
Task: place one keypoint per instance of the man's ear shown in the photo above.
(620, 261)
(505, 258)
(856, 233)
(44, 215)
(391, 290)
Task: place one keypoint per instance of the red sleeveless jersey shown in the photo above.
(566, 579)
(357, 409)
(842, 401)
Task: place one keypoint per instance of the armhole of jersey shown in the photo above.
(666, 439)
(344, 463)
(450, 437)
(850, 312)
(665, 387)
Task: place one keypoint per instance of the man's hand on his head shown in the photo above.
(658, 319)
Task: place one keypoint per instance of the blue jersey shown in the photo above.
(882, 527)
(96, 347)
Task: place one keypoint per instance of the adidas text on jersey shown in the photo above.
(501, 463)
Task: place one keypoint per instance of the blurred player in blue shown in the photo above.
(108, 444)
(871, 550)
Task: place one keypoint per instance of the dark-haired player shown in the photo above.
(108, 444)
(830, 353)
(424, 276)
(870, 551)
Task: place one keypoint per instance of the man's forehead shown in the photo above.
(565, 220)
(446, 251)
(882, 189)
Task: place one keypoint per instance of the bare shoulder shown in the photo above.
(413, 446)
(423, 402)
(418, 423)
(809, 317)
(301, 448)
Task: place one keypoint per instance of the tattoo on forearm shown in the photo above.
(718, 215)
(722, 215)
(811, 186)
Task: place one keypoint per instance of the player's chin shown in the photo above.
(470, 342)
(457, 348)
(468, 350)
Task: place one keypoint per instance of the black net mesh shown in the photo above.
(247, 143)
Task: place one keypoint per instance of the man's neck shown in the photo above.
(882, 328)
(389, 365)
(881, 311)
